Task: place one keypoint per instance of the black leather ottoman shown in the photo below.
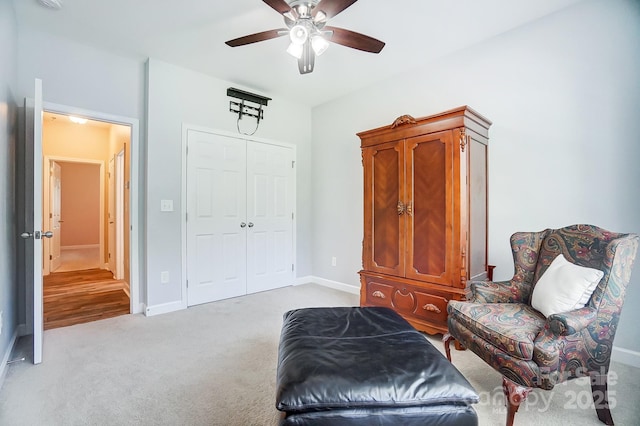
(365, 366)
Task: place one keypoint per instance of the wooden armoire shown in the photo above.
(425, 214)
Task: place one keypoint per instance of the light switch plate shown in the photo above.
(166, 205)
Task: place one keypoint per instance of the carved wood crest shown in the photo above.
(402, 120)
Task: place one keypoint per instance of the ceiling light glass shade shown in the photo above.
(298, 34)
(319, 44)
(295, 50)
(77, 120)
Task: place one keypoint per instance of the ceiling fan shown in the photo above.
(306, 27)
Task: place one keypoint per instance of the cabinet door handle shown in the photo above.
(378, 294)
(401, 208)
(409, 208)
(431, 308)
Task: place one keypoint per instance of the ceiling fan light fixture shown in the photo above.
(295, 50)
(319, 44)
(303, 10)
(320, 17)
(298, 34)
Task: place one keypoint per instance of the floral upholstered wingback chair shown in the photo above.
(534, 329)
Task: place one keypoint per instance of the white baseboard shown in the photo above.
(5, 358)
(164, 308)
(626, 356)
(328, 283)
(22, 330)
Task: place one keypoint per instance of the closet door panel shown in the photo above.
(216, 197)
(269, 216)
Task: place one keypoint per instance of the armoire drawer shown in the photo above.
(379, 294)
(431, 307)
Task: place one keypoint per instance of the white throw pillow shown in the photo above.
(564, 286)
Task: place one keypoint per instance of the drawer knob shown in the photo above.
(379, 294)
(431, 308)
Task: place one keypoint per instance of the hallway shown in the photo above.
(76, 297)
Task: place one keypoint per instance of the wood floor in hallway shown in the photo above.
(76, 297)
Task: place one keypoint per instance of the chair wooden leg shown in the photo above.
(601, 397)
(514, 395)
(447, 338)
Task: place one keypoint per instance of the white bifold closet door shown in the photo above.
(240, 200)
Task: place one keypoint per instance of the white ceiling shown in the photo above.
(191, 33)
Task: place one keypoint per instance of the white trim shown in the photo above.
(626, 356)
(134, 201)
(347, 288)
(163, 308)
(5, 358)
(183, 200)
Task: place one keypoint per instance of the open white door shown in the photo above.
(120, 215)
(55, 190)
(33, 222)
(111, 237)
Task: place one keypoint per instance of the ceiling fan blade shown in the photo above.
(279, 6)
(332, 7)
(254, 38)
(354, 40)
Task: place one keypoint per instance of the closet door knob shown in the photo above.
(250, 224)
(242, 225)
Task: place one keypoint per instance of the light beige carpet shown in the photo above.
(215, 364)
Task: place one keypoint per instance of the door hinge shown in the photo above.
(187, 283)
(291, 215)
(292, 267)
(293, 163)
(50, 215)
(186, 217)
(50, 257)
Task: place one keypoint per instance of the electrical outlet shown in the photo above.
(333, 261)
(166, 205)
(164, 277)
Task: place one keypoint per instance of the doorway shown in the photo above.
(82, 280)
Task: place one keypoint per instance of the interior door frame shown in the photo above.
(183, 200)
(48, 160)
(134, 197)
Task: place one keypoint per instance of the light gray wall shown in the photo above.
(564, 98)
(8, 138)
(178, 96)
